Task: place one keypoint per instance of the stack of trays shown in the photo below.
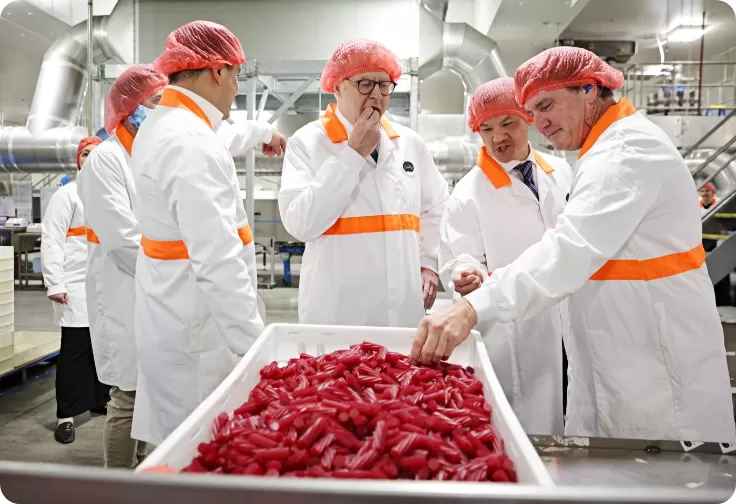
(6, 308)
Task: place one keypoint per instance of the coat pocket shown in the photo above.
(669, 348)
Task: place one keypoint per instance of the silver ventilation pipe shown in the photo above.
(469, 54)
(48, 142)
(725, 180)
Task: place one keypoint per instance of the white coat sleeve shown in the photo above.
(312, 198)
(201, 198)
(461, 242)
(241, 137)
(110, 213)
(54, 228)
(434, 198)
(610, 198)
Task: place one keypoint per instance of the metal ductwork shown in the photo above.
(725, 180)
(48, 142)
(469, 54)
(455, 155)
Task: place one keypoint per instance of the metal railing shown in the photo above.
(676, 87)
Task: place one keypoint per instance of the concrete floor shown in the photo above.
(28, 413)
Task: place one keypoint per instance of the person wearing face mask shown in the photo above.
(196, 309)
(108, 190)
(63, 261)
(499, 209)
(366, 198)
(648, 356)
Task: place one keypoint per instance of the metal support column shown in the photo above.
(250, 157)
(414, 103)
(90, 53)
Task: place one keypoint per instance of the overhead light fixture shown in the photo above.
(685, 34)
(3, 4)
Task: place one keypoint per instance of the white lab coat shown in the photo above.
(361, 275)
(648, 359)
(486, 227)
(64, 255)
(239, 138)
(107, 189)
(195, 317)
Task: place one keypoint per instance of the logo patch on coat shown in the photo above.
(408, 167)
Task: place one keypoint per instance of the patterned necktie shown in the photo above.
(527, 173)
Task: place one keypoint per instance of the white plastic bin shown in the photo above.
(281, 342)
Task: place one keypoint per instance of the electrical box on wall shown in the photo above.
(611, 51)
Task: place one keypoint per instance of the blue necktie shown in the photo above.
(527, 173)
(374, 155)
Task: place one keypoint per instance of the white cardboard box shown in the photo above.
(280, 342)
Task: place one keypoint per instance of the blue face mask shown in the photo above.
(138, 116)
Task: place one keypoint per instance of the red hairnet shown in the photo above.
(356, 56)
(84, 142)
(710, 186)
(197, 45)
(128, 91)
(563, 67)
(494, 99)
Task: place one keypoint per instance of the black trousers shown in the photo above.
(723, 292)
(77, 387)
(564, 379)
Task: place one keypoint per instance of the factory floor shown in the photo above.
(28, 412)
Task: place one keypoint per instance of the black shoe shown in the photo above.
(64, 433)
(99, 411)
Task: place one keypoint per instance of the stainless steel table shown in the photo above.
(585, 470)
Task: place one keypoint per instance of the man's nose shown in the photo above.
(376, 93)
(498, 136)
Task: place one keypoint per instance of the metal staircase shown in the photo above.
(719, 223)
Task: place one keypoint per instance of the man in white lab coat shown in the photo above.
(366, 198)
(648, 359)
(196, 310)
(499, 209)
(63, 260)
(108, 191)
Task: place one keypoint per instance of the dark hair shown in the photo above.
(604, 91)
(185, 74)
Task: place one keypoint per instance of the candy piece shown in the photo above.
(322, 444)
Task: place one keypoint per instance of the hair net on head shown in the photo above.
(710, 186)
(356, 56)
(197, 45)
(494, 99)
(84, 142)
(128, 91)
(562, 67)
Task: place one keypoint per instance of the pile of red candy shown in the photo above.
(360, 413)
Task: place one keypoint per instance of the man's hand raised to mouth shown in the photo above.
(366, 133)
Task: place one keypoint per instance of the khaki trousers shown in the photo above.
(121, 451)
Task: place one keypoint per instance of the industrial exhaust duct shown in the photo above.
(48, 142)
(470, 55)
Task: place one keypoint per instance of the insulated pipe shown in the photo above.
(473, 57)
(48, 142)
(90, 15)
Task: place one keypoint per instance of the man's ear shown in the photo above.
(217, 75)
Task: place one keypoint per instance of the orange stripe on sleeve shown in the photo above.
(374, 224)
(652, 269)
(77, 231)
(176, 250)
(92, 237)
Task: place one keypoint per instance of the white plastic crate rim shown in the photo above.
(281, 342)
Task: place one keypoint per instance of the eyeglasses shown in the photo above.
(366, 86)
